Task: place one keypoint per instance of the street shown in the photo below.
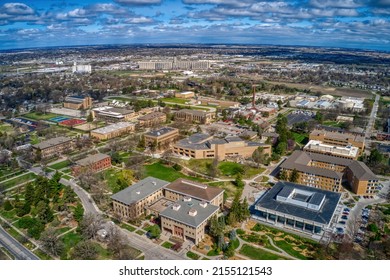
(15, 248)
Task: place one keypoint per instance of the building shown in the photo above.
(162, 138)
(185, 94)
(152, 119)
(113, 130)
(188, 115)
(113, 115)
(184, 206)
(297, 207)
(316, 146)
(53, 147)
(187, 219)
(201, 146)
(185, 188)
(130, 203)
(92, 163)
(174, 64)
(338, 138)
(329, 172)
(76, 102)
(81, 68)
(217, 102)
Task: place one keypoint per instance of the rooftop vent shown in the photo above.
(158, 133)
(203, 204)
(187, 198)
(192, 212)
(176, 206)
(138, 192)
(154, 183)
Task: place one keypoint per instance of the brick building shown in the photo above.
(92, 163)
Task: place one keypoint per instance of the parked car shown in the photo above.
(346, 209)
(342, 222)
(344, 217)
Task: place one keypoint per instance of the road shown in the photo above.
(371, 121)
(14, 247)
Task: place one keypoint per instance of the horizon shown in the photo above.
(349, 24)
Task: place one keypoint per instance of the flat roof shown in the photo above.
(316, 145)
(194, 189)
(322, 216)
(181, 210)
(112, 127)
(160, 131)
(339, 135)
(193, 112)
(52, 142)
(139, 190)
(91, 159)
(151, 116)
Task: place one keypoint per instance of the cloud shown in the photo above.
(138, 2)
(140, 20)
(16, 9)
(348, 4)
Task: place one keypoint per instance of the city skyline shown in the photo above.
(362, 24)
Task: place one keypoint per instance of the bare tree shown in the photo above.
(51, 243)
(353, 226)
(85, 250)
(90, 224)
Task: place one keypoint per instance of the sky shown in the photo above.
(363, 24)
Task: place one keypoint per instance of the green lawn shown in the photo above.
(333, 123)
(66, 170)
(167, 173)
(174, 100)
(258, 254)
(71, 239)
(128, 227)
(36, 116)
(9, 215)
(232, 169)
(18, 180)
(140, 232)
(167, 245)
(228, 186)
(300, 138)
(42, 255)
(9, 173)
(67, 177)
(60, 165)
(192, 255)
(5, 127)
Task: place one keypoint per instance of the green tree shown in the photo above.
(90, 117)
(238, 181)
(68, 195)
(281, 148)
(78, 212)
(46, 216)
(154, 232)
(29, 194)
(141, 143)
(375, 157)
(319, 117)
(294, 176)
(283, 175)
(8, 206)
(259, 156)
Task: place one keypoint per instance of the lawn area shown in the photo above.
(5, 127)
(258, 254)
(128, 227)
(232, 169)
(9, 173)
(140, 232)
(18, 180)
(36, 116)
(67, 177)
(198, 165)
(192, 255)
(9, 215)
(67, 171)
(60, 165)
(42, 255)
(167, 245)
(167, 173)
(104, 254)
(174, 100)
(300, 138)
(229, 187)
(70, 240)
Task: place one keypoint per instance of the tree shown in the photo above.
(141, 143)
(78, 213)
(212, 168)
(259, 156)
(238, 181)
(51, 243)
(90, 117)
(217, 226)
(281, 148)
(283, 175)
(154, 232)
(375, 157)
(85, 250)
(294, 176)
(319, 117)
(8, 206)
(46, 215)
(90, 224)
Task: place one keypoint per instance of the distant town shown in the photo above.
(194, 152)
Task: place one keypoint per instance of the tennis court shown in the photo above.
(71, 122)
(59, 119)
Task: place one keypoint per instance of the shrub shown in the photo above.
(8, 206)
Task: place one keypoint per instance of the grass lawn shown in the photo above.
(128, 227)
(167, 173)
(174, 100)
(232, 169)
(8, 173)
(140, 232)
(332, 123)
(300, 138)
(66, 170)
(60, 165)
(42, 255)
(18, 180)
(70, 240)
(62, 230)
(192, 255)
(213, 252)
(67, 177)
(35, 116)
(229, 187)
(9, 215)
(104, 254)
(258, 254)
(5, 127)
(167, 245)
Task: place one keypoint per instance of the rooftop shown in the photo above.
(316, 145)
(52, 142)
(319, 207)
(113, 127)
(151, 116)
(91, 159)
(344, 136)
(194, 189)
(193, 112)
(139, 190)
(160, 131)
(191, 212)
(361, 171)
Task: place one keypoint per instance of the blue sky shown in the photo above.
(332, 23)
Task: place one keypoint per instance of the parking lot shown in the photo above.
(298, 116)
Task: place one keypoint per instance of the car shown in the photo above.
(346, 213)
(346, 209)
(340, 230)
(342, 222)
(344, 217)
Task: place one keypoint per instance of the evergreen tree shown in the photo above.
(78, 212)
(238, 181)
(294, 176)
(283, 175)
(29, 194)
